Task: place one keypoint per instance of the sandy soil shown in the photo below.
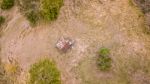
(91, 23)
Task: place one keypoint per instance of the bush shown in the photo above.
(44, 72)
(7, 4)
(2, 20)
(144, 5)
(35, 10)
(32, 17)
(104, 61)
(30, 8)
(50, 8)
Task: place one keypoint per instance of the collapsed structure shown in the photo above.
(64, 44)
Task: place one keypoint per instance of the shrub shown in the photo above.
(104, 61)
(7, 4)
(30, 8)
(50, 8)
(44, 72)
(35, 10)
(144, 5)
(2, 20)
(32, 17)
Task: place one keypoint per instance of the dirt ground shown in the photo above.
(93, 24)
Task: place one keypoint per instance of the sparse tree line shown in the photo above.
(34, 10)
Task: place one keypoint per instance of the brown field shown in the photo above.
(115, 24)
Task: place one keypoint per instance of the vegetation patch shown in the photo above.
(4, 78)
(2, 20)
(44, 72)
(7, 4)
(50, 8)
(32, 17)
(144, 5)
(35, 10)
(127, 69)
(30, 9)
(104, 61)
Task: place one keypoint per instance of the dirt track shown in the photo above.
(92, 24)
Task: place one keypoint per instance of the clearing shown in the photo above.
(93, 24)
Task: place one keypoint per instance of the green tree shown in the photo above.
(50, 8)
(44, 72)
(7, 4)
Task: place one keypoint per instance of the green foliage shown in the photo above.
(50, 8)
(104, 52)
(104, 61)
(44, 72)
(30, 8)
(32, 17)
(7, 4)
(2, 20)
(34, 10)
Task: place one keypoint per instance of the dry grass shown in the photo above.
(126, 70)
(126, 66)
(115, 25)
